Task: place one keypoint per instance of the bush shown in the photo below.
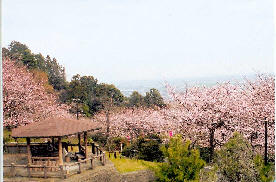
(115, 143)
(204, 153)
(100, 138)
(209, 174)
(183, 164)
(266, 172)
(145, 148)
(235, 160)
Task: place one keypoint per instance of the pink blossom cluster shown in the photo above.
(24, 98)
(135, 122)
(227, 107)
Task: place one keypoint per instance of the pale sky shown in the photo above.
(115, 40)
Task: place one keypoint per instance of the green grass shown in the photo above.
(124, 165)
(7, 137)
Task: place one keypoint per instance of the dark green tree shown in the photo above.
(41, 62)
(16, 48)
(154, 98)
(5, 52)
(146, 148)
(109, 93)
(235, 160)
(22, 53)
(56, 74)
(136, 99)
(76, 90)
(91, 103)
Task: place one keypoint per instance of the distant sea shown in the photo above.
(143, 86)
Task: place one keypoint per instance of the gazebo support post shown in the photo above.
(85, 145)
(79, 137)
(29, 154)
(60, 151)
(53, 142)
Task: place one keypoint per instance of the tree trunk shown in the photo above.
(107, 123)
(212, 146)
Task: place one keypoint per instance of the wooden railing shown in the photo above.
(80, 162)
(62, 170)
(51, 165)
(30, 167)
(44, 165)
(48, 161)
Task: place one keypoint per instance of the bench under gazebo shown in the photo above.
(56, 128)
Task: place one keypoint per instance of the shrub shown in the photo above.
(145, 148)
(115, 143)
(209, 174)
(183, 164)
(204, 153)
(266, 172)
(235, 160)
(100, 138)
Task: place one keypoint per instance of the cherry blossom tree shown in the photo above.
(138, 121)
(210, 111)
(24, 98)
(258, 114)
(223, 108)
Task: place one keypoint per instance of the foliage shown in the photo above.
(145, 148)
(22, 54)
(204, 153)
(115, 143)
(154, 98)
(136, 100)
(56, 74)
(266, 172)
(209, 174)
(6, 136)
(235, 160)
(93, 96)
(100, 138)
(182, 164)
(42, 77)
(109, 93)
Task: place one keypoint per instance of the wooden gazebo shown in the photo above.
(55, 127)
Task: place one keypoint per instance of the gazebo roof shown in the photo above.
(54, 127)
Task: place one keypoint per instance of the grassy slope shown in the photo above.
(127, 165)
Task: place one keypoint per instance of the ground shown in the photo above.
(20, 159)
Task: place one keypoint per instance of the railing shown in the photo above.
(48, 161)
(80, 164)
(45, 166)
(29, 167)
